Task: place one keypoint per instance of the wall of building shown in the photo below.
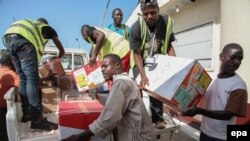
(235, 27)
(198, 13)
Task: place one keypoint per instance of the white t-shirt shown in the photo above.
(216, 99)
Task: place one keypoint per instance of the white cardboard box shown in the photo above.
(178, 82)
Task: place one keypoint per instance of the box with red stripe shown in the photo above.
(75, 117)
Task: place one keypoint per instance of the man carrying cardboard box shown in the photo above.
(225, 99)
(151, 34)
(124, 112)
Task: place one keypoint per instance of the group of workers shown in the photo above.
(124, 114)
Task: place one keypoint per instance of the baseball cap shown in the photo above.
(148, 3)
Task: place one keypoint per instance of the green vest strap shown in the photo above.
(36, 25)
(143, 29)
(169, 31)
(125, 33)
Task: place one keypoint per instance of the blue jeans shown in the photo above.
(24, 58)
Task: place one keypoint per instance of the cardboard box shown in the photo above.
(88, 77)
(56, 66)
(52, 67)
(49, 99)
(178, 82)
(66, 82)
(75, 117)
(44, 70)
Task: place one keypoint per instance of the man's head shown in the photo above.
(6, 61)
(111, 65)
(43, 20)
(150, 12)
(231, 57)
(84, 32)
(117, 16)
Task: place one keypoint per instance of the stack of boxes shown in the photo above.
(50, 93)
(76, 111)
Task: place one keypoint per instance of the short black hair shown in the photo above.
(43, 20)
(115, 58)
(6, 61)
(84, 27)
(148, 3)
(116, 9)
(231, 46)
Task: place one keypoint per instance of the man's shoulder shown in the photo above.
(135, 25)
(124, 25)
(109, 26)
(164, 18)
(122, 77)
(240, 81)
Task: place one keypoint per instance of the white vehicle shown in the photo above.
(72, 59)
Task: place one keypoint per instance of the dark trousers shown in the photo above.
(204, 137)
(24, 58)
(156, 106)
(3, 129)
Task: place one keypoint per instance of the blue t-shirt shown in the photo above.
(123, 30)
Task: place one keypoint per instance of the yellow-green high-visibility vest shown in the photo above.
(125, 32)
(31, 31)
(113, 43)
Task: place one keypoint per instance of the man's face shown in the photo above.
(117, 16)
(85, 36)
(150, 15)
(108, 69)
(231, 60)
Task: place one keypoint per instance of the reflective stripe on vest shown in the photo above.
(31, 31)
(113, 43)
(169, 30)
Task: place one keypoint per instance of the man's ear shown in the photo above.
(221, 56)
(118, 66)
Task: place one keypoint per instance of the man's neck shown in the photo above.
(117, 25)
(225, 75)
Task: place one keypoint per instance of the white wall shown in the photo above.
(198, 13)
(235, 27)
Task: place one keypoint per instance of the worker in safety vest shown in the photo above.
(151, 34)
(106, 42)
(25, 41)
